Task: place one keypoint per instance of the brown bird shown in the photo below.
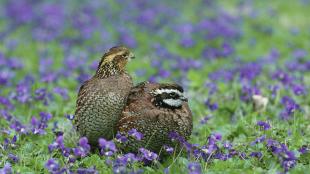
(155, 110)
(102, 98)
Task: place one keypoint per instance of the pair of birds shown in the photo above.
(109, 103)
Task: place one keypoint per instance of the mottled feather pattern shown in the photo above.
(99, 106)
(154, 122)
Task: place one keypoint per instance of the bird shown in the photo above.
(102, 98)
(155, 110)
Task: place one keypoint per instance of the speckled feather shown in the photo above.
(154, 122)
(100, 104)
(102, 98)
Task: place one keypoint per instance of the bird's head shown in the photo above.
(168, 96)
(114, 61)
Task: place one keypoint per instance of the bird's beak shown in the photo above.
(184, 98)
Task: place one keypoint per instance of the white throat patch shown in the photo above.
(173, 102)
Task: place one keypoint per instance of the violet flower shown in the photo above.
(168, 149)
(121, 138)
(107, 148)
(205, 119)
(63, 92)
(7, 169)
(194, 168)
(6, 102)
(126, 159)
(263, 125)
(148, 155)
(18, 127)
(91, 170)
(83, 148)
(52, 166)
(256, 154)
(258, 140)
(13, 158)
(134, 133)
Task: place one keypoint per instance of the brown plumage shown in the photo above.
(155, 110)
(101, 99)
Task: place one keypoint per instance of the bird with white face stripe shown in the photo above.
(155, 110)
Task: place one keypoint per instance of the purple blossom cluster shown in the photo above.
(71, 155)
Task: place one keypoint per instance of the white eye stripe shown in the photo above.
(173, 102)
(160, 91)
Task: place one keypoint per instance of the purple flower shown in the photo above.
(211, 146)
(5, 76)
(212, 87)
(287, 164)
(126, 159)
(258, 140)
(205, 119)
(194, 168)
(211, 106)
(18, 127)
(59, 144)
(63, 92)
(282, 77)
(287, 158)
(248, 92)
(83, 77)
(38, 127)
(41, 94)
(13, 158)
(52, 165)
(163, 73)
(168, 149)
(119, 169)
(304, 149)
(227, 145)
(107, 148)
(187, 42)
(263, 125)
(299, 53)
(127, 38)
(14, 63)
(51, 20)
(215, 137)
(23, 92)
(299, 89)
(83, 149)
(10, 143)
(7, 169)
(91, 170)
(274, 89)
(121, 138)
(290, 107)
(148, 155)
(250, 71)
(6, 115)
(174, 136)
(20, 11)
(6, 102)
(70, 116)
(85, 22)
(256, 154)
(134, 133)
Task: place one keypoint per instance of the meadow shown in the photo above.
(231, 57)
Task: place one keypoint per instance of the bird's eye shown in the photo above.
(173, 95)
